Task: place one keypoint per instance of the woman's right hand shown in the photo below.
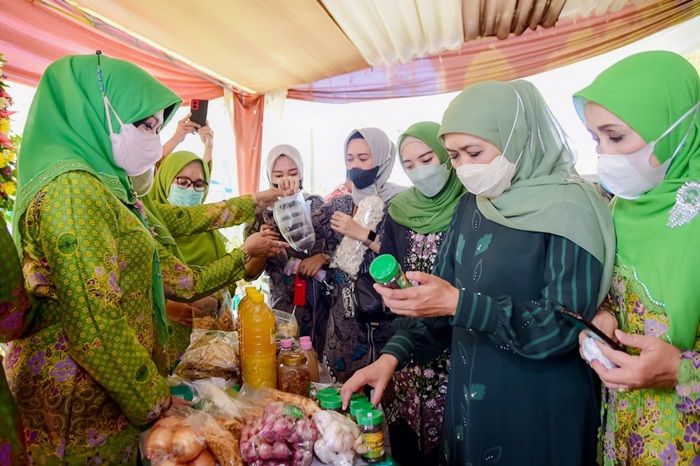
(377, 375)
(288, 184)
(262, 244)
(185, 127)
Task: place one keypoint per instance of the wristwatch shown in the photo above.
(327, 257)
(371, 236)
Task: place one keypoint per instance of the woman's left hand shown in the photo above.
(433, 297)
(311, 266)
(655, 367)
(347, 226)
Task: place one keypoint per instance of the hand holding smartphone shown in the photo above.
(592, 330)
(198, 111)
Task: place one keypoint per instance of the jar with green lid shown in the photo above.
(386, 271)
(332, 403)
(358, 396)
(328, 391)
(359, 405)
(371, 424)
(293, 374)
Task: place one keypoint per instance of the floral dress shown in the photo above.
(350, 345)
(652, 426)
(83, 374)
(14, 312)
(417, 398)
(313, 317)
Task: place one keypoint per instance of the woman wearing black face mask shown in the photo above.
(285, 170)
(350, 343)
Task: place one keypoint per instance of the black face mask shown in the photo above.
(363, 178)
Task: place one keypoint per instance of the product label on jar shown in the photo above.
(375, 445)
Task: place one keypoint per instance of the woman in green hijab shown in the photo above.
(530, 239)
(644, 115)
(414, 231)
(83, 374)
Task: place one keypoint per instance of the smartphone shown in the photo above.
(589, 325)
(198, 108)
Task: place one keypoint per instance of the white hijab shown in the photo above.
(384, 156)
(277, 152)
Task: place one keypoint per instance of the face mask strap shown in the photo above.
(678, 121)
(105, 99)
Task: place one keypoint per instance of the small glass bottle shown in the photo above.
(386, 271)
(358, 406)
(293, 375)
(286, 346)
(371, 424)
(311, 358)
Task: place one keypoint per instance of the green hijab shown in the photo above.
(67, 130)
(546, 194)
(198, 249)
(650, 91)
(413, 209)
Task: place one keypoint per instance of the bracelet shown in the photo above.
(246, 254)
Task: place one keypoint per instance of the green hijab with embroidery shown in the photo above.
(198, 249)
(67, 130)
(546, 194)
(413, 209)
(650, 91)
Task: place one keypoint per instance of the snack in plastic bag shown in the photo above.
(286, 324)
(294, 222)
(211, 353)
(350, 252)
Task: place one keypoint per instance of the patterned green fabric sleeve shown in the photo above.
(182, 283)
(688, 387)
(14, 304)
(78, 232)
(183, 221)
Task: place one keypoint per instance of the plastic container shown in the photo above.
(311, 358)
(359, 396)
(286, 346)
(294, 222)
(386, 271)
(357, 406)
(257, 342)
(328, 391)
(332, 403)
(293, 375)
(371, 424)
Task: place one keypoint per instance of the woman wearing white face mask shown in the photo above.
(644, 114)
(537, 239)
(414, 231)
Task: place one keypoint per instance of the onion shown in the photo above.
(205, 458)
(171, 422)
(185, 444)
(158, 442)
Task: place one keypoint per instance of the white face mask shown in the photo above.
(134, 150)
(491, 179)
(141, 184)
(630, 175)
(488, 179)
(429, 179)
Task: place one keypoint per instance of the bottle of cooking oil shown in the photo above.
(258, 349)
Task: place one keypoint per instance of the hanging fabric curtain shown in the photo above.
(248, 129)
(534, 51)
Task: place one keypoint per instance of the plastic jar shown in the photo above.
(332, 403)
(371, 424)
(386, 271)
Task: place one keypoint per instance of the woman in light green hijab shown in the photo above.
(644, 115)
(530, 239)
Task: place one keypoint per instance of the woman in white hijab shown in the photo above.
(285, 167)
(353, 339)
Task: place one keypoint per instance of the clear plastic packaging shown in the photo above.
(293, 220)
(350, 253)
(212, 353)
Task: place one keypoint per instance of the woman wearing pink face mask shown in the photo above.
(644, 115)
(83, 372)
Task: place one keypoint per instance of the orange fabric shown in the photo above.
(571, 40)
(248, 128)
(33, 36)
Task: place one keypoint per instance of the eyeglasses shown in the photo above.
(184, 182)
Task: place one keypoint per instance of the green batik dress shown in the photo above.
(652, 426)
(518, 391)
(83, 375)
(14, 313)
